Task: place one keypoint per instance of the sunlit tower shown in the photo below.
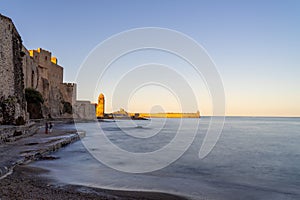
(100, 106)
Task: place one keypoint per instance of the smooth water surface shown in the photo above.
(255, 158)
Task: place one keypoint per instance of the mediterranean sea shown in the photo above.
(254, 158)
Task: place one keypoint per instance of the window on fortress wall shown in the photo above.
(32, 78)
(9, 27)
(45, 57)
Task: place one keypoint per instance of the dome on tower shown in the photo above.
(101, 97)
(100, 106)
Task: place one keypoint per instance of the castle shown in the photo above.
(42, 72)
(39, 70)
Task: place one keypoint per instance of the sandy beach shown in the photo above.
(27, 183)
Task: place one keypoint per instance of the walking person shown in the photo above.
(50, 127)
(46, 128)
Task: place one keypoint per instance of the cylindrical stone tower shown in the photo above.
(100, 106)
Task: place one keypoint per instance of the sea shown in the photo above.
(253, 158)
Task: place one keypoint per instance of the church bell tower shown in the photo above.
(100, 106)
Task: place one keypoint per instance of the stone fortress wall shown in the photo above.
(30, 70)
(48, 76)
(84, 110)
(12, 98)
(38, 69)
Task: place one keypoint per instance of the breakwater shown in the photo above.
(37, 145)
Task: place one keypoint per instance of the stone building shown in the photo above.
(37, 69)
(84, 110)
(43, 73)
(12, 97)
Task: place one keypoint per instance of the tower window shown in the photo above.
(32, 78)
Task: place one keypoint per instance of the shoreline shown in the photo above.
(26, 182)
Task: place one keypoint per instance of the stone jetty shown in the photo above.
(33, 146)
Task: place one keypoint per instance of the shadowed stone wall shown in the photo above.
(49, 82)
(12, 97)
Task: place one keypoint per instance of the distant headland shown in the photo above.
(122, 114)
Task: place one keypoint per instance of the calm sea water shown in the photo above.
(255, 158)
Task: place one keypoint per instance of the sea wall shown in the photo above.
(166, 115)
(13, 133)
(84, 110)
(35, 147)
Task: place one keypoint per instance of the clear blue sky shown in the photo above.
(255, 44)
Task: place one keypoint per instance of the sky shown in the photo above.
(255, 46)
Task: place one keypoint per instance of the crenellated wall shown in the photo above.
(45, 75)
(38, 69)
(60, 99)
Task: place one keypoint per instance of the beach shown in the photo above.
(241, 166)
(21, 181)
(26, 183)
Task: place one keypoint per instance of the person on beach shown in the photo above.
(50, 127)
(46, 128)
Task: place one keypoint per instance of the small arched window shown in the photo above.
(32, 78)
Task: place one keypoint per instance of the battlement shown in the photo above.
(40, 53)
(39, 50)
(54, 60)
(37, 68)
(69, 84)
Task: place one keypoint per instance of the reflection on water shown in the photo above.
(255, 158)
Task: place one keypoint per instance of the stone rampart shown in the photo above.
(12, 96)
(13, 133)
(38, 69)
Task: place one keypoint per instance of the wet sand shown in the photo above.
(27, 183)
